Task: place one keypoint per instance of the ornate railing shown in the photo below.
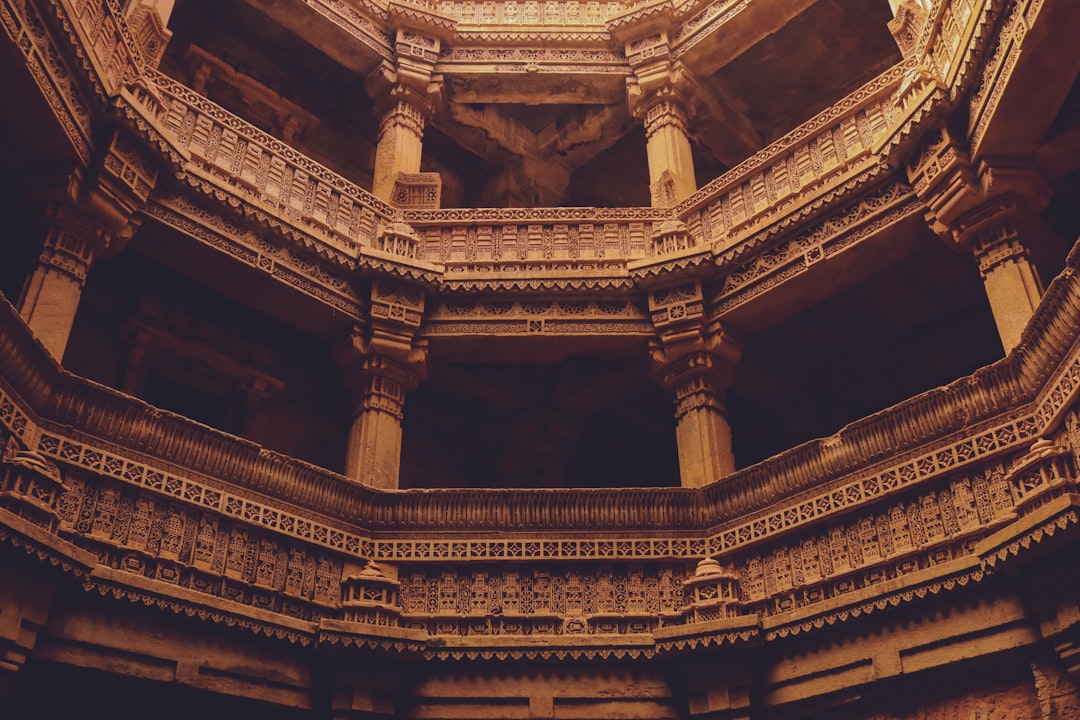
(908, 495)
(228, 152)
(797, 169)
(472, 239)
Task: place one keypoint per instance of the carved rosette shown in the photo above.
(30, 487)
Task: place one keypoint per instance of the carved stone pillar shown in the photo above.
(986, 210)
(656, 95)
(91, 215)
(400, 146)
(671, 161)
(695, 361)
(406, 94)
(382, 363)
(699, 383)
(374, 450)
(1012, 285)
(51, 295)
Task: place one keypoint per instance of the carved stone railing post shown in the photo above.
(93, 215)
(694, 361)
(382, 363)
(657, 97)
(986, 210)
(406, 95)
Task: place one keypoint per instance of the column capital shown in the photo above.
(409, 77)
(962, 195)
(386, 346)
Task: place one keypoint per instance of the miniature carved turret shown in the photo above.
(30, 487)
(371, 597)
(711, 594)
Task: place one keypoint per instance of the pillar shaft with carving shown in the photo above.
(699, 383)
(382, 363)
(407, 94)
(694, 360)
(51, 295)
(400, 146)
(1013, 288)
(671, 160)
(374, 450)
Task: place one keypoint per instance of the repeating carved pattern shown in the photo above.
(781, 262)
(997, 69)
(527, 601)
(146, 534)
(556, 317)
(257, 251)
(191, 492)
(24, 25)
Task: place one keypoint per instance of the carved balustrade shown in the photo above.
(509, 244)
(113, 52)
(916, 499)
(796, 170)
(276, 181)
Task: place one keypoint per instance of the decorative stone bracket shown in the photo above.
(985, 209)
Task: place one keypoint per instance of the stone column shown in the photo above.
(1012, 285)
(657, 96)
(699, 382)
(671, 162)
(986, 209)
(406, 94)
(90, 213)
(374, 450)
(694, 360)
(400, 146)
(382, 362)
(51, 295)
